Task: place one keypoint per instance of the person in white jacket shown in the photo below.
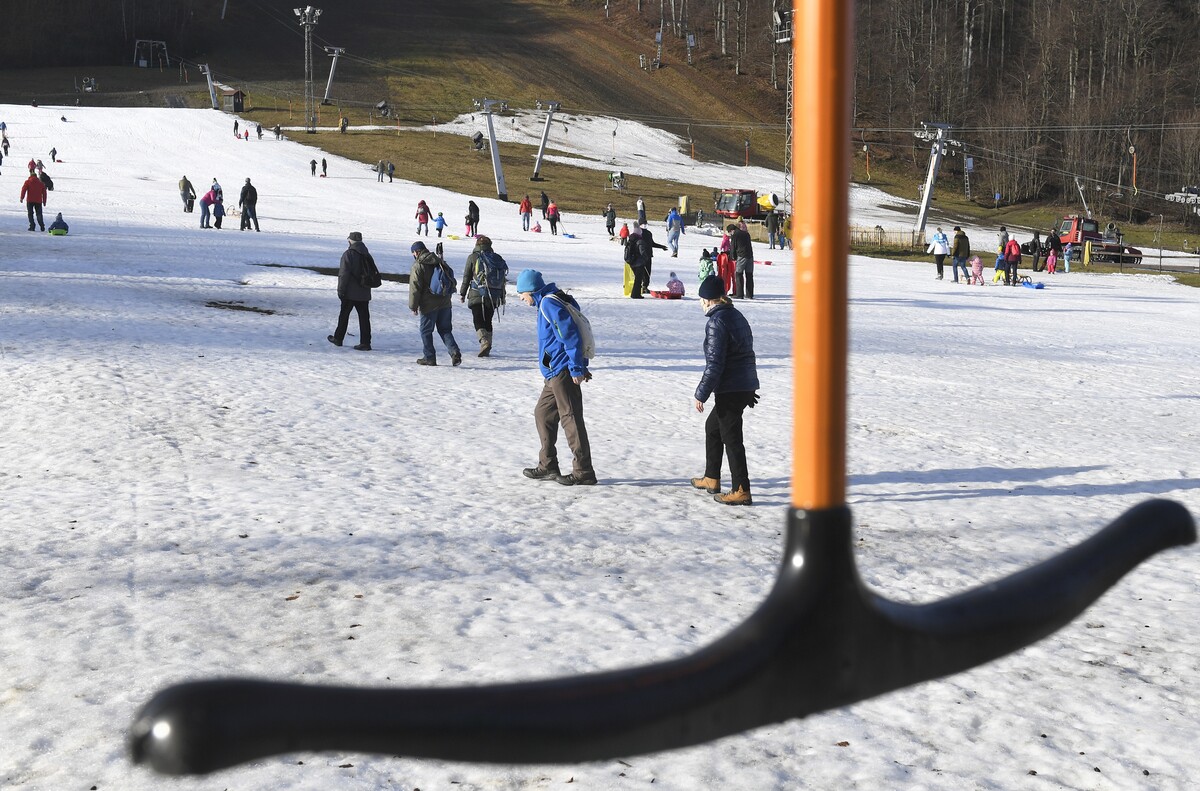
(940, 247)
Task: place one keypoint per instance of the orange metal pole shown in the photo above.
(822, 35)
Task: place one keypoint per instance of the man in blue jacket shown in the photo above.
(564, 368)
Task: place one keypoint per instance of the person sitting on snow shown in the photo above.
(58, 227)
(675, 285)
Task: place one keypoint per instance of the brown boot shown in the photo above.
(710, 485)
(485, 343)
(736, 497)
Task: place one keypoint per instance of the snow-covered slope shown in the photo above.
(189, 490)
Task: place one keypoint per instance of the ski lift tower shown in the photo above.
(783, 35)
(335, 53)
(497, 168)
(308, 17)
(552, 108)
(939, 134)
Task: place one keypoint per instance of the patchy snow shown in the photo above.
(191, 491)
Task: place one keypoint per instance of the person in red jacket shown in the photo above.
(525, 210)
(1012, 260)
(33, 192)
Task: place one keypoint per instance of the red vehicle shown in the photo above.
(745, 204)
(1108, 246)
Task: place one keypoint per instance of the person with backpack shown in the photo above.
(564, 367)
(422, 216)
(188, 193)
(731, 376)
(354, 268)
(484, 278)
(431, 283)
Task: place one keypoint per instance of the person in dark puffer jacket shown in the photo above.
(731, 375)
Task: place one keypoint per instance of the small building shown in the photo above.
(232, 100)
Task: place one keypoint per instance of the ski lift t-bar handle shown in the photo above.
(820, 639)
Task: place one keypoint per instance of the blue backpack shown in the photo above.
(442, 283)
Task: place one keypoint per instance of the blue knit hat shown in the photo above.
(712, 288)
(530, 280)
(418, 247)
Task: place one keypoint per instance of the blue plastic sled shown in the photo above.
(568, 235)
(1031, 284)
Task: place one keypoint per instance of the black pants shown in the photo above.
(364, 321)
(482, 313)
(1010, 273)
(32, 209)
(940, 260)
(723, 435)
(743, 282)
(249, 215)
(641, 281)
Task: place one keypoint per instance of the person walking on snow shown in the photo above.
(433, 309)
(940, 247)
(324, 168)
(353, 294)
(960, 252)
(313, 167)
(380, 169)
(731, 375)
(610, 221)
(483, 287)
(552, 218)
(544, 202)
(674, 229)
(564, 369)
(422, 216)
(439, 223)
(641, 211)
(33, 193)
(248, 201)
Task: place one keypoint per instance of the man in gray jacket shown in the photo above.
(353, 294)
(432, 308)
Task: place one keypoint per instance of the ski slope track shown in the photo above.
(190, 490)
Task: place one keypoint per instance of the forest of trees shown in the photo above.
(1038, 92)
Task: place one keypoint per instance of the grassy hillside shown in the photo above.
(430, 61)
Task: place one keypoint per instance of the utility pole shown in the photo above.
(335, 53)
(783, 35)
(308, 19)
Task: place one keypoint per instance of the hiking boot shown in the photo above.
(736, 497)
(426, 361)
(456, 358)
(710, 485)
(541, 473)
(577, 479)
(485, 343)
(362, 347)
(333, 340)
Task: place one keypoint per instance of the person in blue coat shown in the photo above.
(59, 227)
(730, 374)
(564, 369)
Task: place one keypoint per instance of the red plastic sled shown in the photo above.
(665, 295)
